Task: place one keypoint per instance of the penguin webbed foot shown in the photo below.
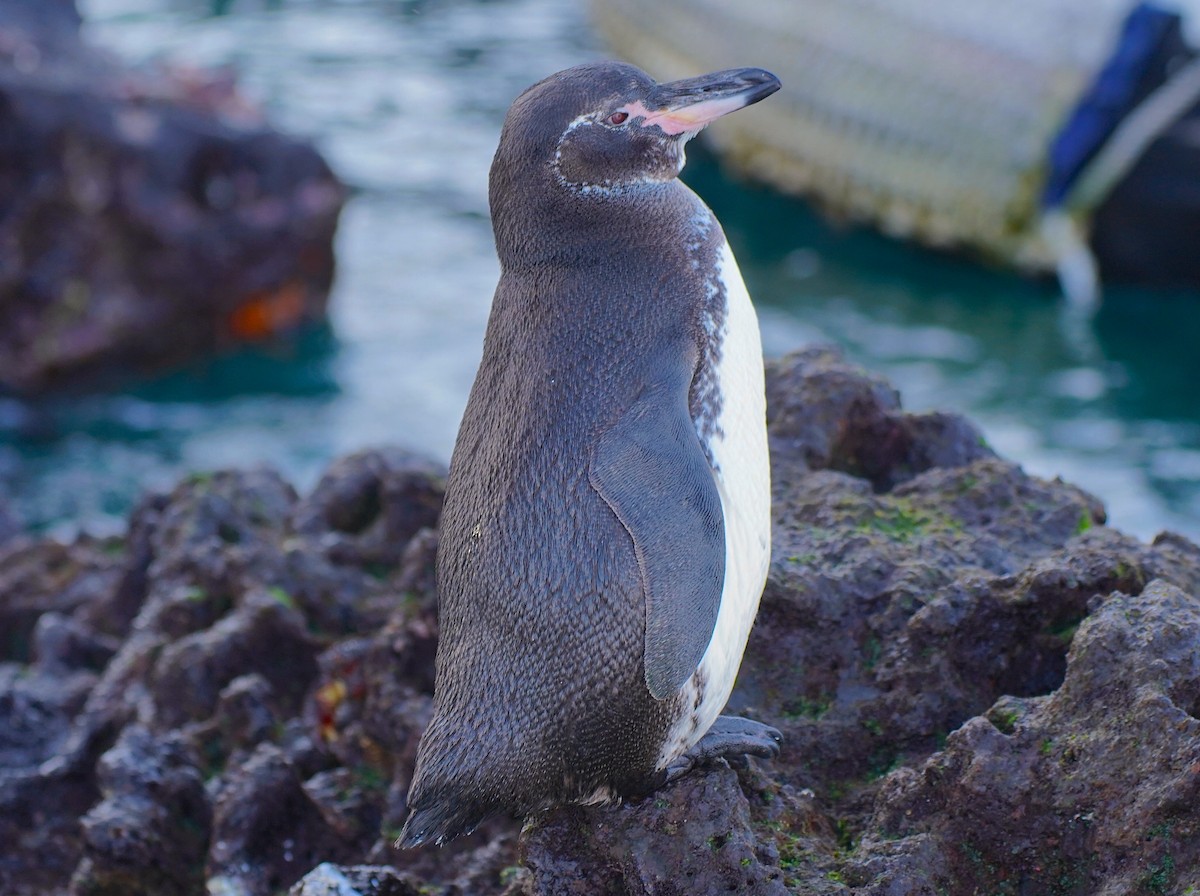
(731, 738)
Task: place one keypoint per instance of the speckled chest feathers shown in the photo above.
(605, 536)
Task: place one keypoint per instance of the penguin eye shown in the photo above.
(618, 117)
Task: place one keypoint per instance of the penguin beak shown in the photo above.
(684, 107)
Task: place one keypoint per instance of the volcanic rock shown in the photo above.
(982, 689)
(149, 217)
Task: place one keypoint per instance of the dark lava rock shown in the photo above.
(827, 415)
(152, 691)
(1092, 788)
(149, 217)
(267, 832)
(695, 837)
(41, 576)
(368, 506)
(149, 832)
(982, 689)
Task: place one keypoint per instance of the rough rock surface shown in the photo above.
(982, 689)
(146, 217)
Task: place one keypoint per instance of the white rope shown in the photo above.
(1078, 276)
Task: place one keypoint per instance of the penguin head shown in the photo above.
(607, 127)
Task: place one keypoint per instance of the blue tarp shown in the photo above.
(1109, 99)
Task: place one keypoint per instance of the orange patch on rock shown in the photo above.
(266, 312)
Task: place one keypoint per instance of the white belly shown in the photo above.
(742, 472)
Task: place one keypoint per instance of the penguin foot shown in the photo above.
(730, 737)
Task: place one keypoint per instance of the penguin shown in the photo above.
(605, 534)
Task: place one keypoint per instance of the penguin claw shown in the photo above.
(730, 738)
(753, 732)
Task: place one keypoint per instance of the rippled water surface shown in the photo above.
(406, 99)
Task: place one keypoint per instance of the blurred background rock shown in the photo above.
(405, 100)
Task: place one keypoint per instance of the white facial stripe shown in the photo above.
(606, 188)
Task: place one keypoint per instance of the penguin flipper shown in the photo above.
(652, 472)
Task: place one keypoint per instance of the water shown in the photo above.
(405, 99)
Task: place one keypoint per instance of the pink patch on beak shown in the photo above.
(691, 117)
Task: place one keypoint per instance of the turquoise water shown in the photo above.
(405, 99)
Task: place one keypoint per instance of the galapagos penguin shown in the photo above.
(606, 528)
